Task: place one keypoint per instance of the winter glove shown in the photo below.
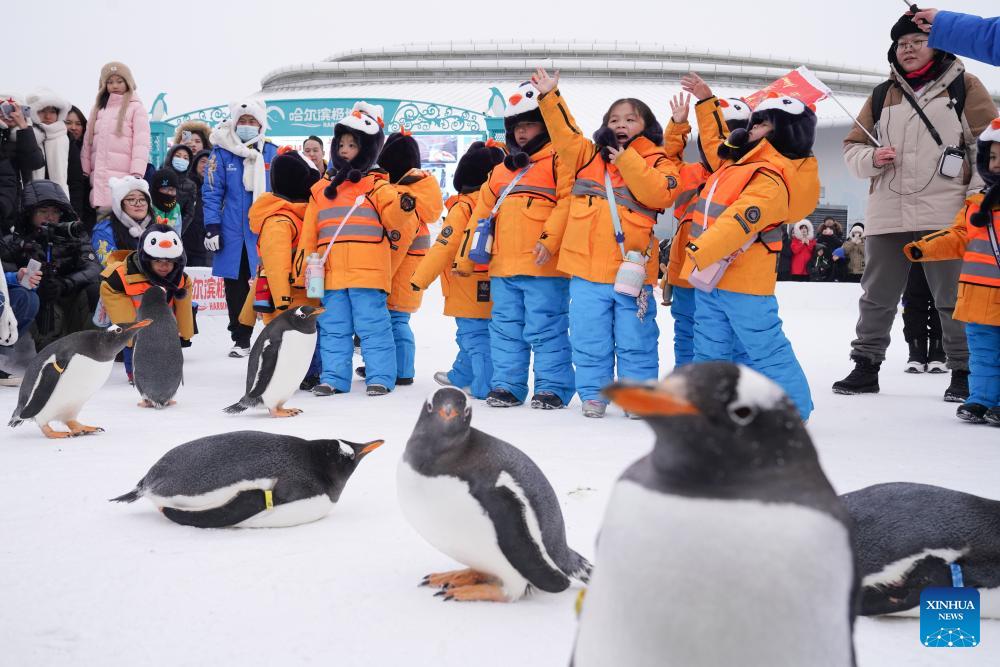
(913, 252)
(213, 240)
(185, 342)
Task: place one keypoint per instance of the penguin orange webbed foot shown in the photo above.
(78, 429)
(54, 434)
(477, 593)
(144, 403)
(285, 412)
(457, 578)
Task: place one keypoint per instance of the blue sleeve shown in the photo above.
(103, 242)
(213, 189)
(11, 277)
(967, 35)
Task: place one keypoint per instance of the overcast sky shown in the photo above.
(206, 53)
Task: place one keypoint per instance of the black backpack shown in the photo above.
(956, 91)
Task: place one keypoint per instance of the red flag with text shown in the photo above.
(800, 84)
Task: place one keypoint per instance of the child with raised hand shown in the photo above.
(975, 237)
(359, 251)
(530, 295)
(768, 176)
(466, 297)
(598, 239)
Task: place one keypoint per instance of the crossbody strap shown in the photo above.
(991, 231)
(613, 208)
(357, 202)
(923, 116)
(510, 186)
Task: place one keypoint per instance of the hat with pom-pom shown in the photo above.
(365, 124)
(477, 163)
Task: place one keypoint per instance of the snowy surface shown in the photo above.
(87, 582)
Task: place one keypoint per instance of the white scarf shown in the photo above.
(54, 142)
(254, 169)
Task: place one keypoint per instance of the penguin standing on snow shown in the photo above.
(908, 536)
(157, 359)
(65, 374)
(484, 503)
(726, 545)
(249, 479)
(278, 361)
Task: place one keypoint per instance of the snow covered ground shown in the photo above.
(87, 582)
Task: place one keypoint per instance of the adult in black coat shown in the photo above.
(19, 146)
(79, 184)
(193, 236)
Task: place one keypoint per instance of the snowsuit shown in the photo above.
(608, 326)
(466, 298)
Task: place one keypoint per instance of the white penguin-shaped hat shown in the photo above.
(364, 117)
(523, 100)
(165, 244)
(735, 109)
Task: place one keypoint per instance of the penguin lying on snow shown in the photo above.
(908, 535)
(250, 479)
(726, 545)
(156, 354)
(278, 361)
(64, 375)
(484, 503)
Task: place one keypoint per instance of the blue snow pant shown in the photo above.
(406, 346)
(361, 310)
(604, 327)
(745, 328)
(127, 358)
(682, 310)
(316, 365)
(23, 304)
(984, 364)
(473, 366)
(531, 313)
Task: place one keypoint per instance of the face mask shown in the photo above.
(180, 164)
(246, 132)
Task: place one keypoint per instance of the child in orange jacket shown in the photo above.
(975, 237)
(359, 265)
(596, 242)
(466, 298)
(530, 298)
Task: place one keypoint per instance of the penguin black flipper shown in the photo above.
(509, 514)
(48, 378)
(261, 370)
(243, 506)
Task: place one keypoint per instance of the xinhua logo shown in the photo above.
(949, 617)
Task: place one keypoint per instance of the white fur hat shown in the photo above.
(120, 187)
(364, 117)
(804, 224)
(43, 97)
(249, 107)
(857, 226)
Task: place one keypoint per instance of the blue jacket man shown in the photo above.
(966, 35)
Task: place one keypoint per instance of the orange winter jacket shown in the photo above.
(122, 285)
(362, 256)
(748, 201)
(425, 189)
(464, 296)
(523, 216)
(979, 284)
(645, 183)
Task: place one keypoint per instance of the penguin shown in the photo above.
(484, 503)
(250, 479)
(726, 545)
(908, 535)
(65, 374)
(278, 361)
(157, 360)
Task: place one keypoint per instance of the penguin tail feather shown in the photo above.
(581, 568)
(237, 407)
(15, 422)
(129, 497)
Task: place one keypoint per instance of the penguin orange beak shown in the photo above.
(318, 311)
(648, 400)
(372, 446)
(142, 324)
(448, 413)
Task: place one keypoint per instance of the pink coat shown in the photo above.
(105, 154)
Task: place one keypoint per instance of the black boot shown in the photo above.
(937, 360)
(974, 413)
(917, 363)
(360, 371)
(546, 400)
(862, 380)
(958, 390)
(501, 398)
(992, 416)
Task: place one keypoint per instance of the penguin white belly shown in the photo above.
(294, 513)
(210, 499)
(693, 581)
(294, 357)
(81, 380)
(444, 512)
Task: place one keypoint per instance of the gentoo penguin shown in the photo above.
(726, 545)
(157, 361)
(484, 503)
(65, 374)
(278, 361)
(907, 536)
(250, 479)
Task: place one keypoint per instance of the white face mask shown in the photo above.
(246, 132)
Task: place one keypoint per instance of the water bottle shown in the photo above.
(315, 278)
(631, 274)
(482, 242)
(263, 302)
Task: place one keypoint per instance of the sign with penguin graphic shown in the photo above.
(949, 616)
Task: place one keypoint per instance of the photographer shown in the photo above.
(19, 148)
(49, 233)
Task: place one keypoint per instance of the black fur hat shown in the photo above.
(523, 108)
(793, 134)
(162, 242)
(400, 154)
(904, 26)
(292, 177)
(364, 123)
(992, 199)
(475, 166)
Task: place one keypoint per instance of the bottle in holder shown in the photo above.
(482, 242)
(315, 280)
(631, 274)
(262, 302)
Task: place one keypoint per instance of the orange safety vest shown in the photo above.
(721, 190)
(979, 264)
(590, 183)
(365, 224)
(135, 290)
(538, 182)
(692, 176)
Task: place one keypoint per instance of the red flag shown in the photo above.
(800, 84)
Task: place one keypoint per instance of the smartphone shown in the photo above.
(33, 266)
(952, 159)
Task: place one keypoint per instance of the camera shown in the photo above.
(7, 109)
(62, 231)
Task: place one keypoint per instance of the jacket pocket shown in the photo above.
(583, 213)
